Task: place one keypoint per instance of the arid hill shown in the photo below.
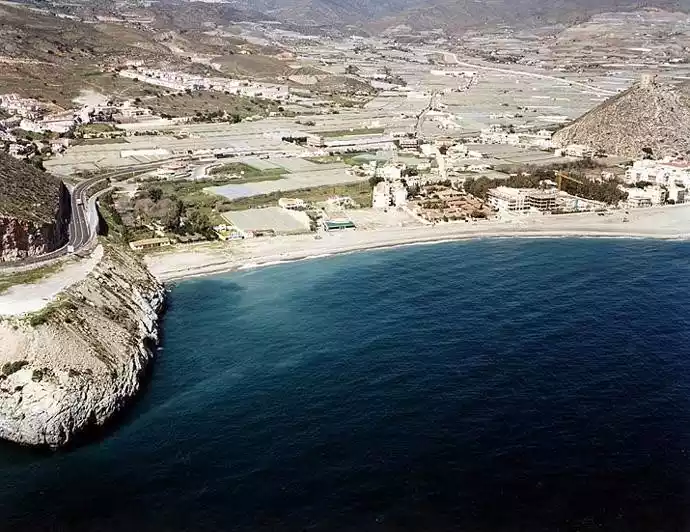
(34, 210)
(378, 15)
(650, 117)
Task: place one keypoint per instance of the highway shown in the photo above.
(83, 225)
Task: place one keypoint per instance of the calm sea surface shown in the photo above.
(505, 385)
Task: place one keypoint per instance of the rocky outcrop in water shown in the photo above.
(71, 367)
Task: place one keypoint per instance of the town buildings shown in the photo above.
(522, 199)
(662, 172)
(647, 197)
(181, 81)
(389, 194)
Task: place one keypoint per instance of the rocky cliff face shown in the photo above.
(29, 236)
(72, 366)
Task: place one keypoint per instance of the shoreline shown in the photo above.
(229, 264)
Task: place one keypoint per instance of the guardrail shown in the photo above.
(88, 203)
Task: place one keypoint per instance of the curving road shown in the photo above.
(83, 225)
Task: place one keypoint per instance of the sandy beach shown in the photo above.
(670, 222)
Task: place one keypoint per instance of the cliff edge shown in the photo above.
(70, 367)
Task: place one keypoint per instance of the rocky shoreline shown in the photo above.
(70, 368)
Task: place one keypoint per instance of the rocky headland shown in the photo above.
(69, 368)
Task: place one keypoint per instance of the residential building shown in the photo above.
(391, 172)
(292, 204)
(576, 150)
(387, 194)
(676, 192)
(149, 243)
(522, 199)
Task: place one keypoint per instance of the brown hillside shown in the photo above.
(648, 116)
(26, 192)
(34, 210)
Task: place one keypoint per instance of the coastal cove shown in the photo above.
(667, 223)
(462, 386)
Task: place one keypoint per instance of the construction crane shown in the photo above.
(560, 176)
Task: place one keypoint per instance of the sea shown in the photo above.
(483, 386)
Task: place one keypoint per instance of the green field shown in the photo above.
(95, 142)
(248, 173)
(351, 132)
(359, 192)
(351, 159)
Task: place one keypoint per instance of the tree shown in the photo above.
(171, 213)
(373, 181)
(37, 162)
(199, 221)
(155, 194)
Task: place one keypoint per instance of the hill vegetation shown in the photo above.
(649, 119)
(26, 193)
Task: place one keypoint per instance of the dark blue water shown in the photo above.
(486, 386)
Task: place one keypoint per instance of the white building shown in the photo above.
(386, 194)
(576, 150)
(182, 81)
(638, 199)
(676, 192)
(659, 172)
(497, 135)
(391, 172)
(292, 204)
(522, 199)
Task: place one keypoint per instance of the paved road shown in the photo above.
(422, 115)
(452, 58)
(83, 226)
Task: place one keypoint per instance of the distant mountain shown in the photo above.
(452, 14)
(649, 117)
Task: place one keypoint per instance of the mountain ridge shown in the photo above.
(448, 14)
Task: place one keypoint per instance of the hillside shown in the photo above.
(54, 58)
(26, 192)
(450, 14)
(34, 210)
(648, 116)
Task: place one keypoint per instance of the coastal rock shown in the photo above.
(71, 367)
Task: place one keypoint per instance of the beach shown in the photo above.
(669, 222)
